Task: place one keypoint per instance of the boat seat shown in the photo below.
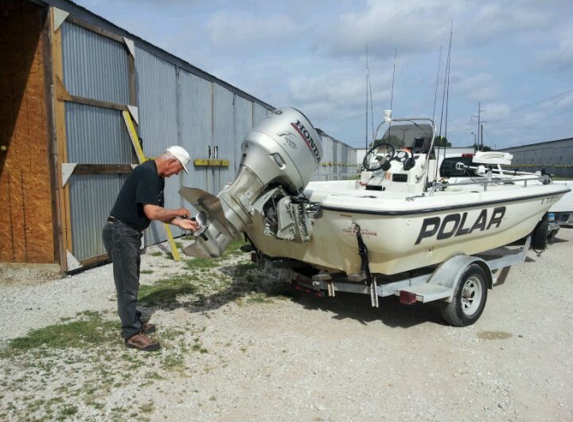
(421, 145)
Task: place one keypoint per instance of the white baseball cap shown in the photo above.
(182, 156)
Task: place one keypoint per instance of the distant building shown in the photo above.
(556, 157)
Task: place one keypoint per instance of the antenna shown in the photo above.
(437, 84)
(448, 82)
(393, 75)
(367, 82)
(392, 91)
(445, 97)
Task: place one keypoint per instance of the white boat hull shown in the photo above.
(401, 233)
(565, 205)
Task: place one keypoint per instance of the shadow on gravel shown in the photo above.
(558, 240)
(210, 288)
(245, 283)
(390, 311)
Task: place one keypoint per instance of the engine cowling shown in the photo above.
(283, 150)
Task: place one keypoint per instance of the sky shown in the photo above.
(511, 61)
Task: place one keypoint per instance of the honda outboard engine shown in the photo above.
(279, 157)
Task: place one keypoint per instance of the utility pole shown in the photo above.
(479, 126)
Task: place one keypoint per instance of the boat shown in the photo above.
(399, 216)
(562, 211)
(560, 214)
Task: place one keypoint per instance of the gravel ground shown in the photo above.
(238, 347)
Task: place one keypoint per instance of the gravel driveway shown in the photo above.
(238, 347)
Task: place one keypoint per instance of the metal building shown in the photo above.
(72, 83)
(556, 157)
(338, 160)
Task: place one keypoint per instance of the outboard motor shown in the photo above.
(279, 155)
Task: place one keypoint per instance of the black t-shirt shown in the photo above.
(142, 187)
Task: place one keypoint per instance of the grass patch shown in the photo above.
(234, 248)
(258, 298)
(157, 253)
(90, 330)
(166, 291)
(201, 263)
(146, 272)
(173, 362)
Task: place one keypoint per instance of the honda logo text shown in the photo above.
(307, 138)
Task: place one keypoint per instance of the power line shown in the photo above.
(525, 106)
(509, 124)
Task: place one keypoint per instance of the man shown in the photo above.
(140, 201)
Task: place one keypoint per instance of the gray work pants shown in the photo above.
(123, 247)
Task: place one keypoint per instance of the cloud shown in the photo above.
(558, 54)
(481, 87)
(232, 30)
(410, 26)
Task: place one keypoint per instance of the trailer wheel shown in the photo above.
(540, 234)
(469, 298)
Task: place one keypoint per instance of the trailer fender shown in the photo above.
(449, 273)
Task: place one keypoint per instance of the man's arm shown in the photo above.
(178, 217)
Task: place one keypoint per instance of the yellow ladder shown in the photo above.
(142, 158)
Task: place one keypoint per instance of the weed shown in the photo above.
(197, 346)
(173, 362)
(166, 291)
(146, 271)
(92, 330)
(202, 263)
(157, 253)
(147, 408)
(154, 376)
(234, 248)
(69, 410)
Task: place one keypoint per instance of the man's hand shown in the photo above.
(186, 224)
(183, 213)
(155, 212)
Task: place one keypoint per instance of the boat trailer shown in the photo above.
(461, 282)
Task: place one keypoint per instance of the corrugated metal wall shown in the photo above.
(94, 67)
(177, 104)
(243, 124)
(196, 123)
(158, 122)
(223, 138)
(338, 160)
(259, 113)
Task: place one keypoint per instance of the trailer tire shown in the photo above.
(469, 298)
(540, 234)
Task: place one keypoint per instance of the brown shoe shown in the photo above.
(147, 328)
(141, 341)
